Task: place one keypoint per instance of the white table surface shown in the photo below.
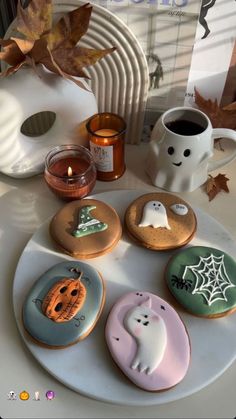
(24, 205)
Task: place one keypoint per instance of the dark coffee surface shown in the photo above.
(184, 127)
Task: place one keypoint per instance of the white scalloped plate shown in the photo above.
(87, 367)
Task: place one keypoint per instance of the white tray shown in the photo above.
(87, 367)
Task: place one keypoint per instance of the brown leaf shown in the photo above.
(12, 69)
(219, 117)
(39, 50)
(36, 19)
(11, 53)
(221, 181)
(54, 47)
(64, 61)
(64, 74)
(215, 184)
(24, 45)
(230, 107)
(70, 28)
(73, 60)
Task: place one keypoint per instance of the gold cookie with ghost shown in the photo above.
(160, 221)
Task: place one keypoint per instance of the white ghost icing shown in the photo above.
(179, 209)
(154, 214)
(149, 331)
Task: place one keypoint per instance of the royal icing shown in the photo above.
(154, 215)
(153, 353)
(149, 331)
(37, 318)
(203, 280)
(179, 209)
(64, 299)
(87, 224)
(211, 278)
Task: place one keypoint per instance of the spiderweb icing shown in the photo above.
(211, 277)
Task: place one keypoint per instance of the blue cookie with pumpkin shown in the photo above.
(64, 305)
(86, 228)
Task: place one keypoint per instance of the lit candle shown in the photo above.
(107, 143)
(70, 171)
(106, 132)
(70, 176)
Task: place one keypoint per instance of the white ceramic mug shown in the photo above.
(182, 143)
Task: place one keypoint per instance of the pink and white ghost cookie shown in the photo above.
(148, 341)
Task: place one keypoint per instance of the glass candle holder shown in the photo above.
(70, 171)
(107, 144)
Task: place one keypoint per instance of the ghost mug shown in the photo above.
(182, 143)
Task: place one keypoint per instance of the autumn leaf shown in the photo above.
(230, 107)
(24, 45)
(56, 47)
(64, 74)
(34, 20)
(216, 184)
(12, 70)
(70, 28)
(73, 61)
(220, 117)
(11, 53)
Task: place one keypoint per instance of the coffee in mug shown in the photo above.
(181, 146)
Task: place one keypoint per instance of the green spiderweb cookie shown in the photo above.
(87, 224)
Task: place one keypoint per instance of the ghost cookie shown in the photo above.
(86, 229)
(160, 221)
(203, 281)
(64, 305)
(153, 338)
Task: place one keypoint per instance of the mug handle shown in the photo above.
(222, 133)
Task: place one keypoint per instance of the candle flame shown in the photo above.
(69, 171)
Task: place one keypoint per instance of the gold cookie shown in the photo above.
(86, 228)
(160, 221)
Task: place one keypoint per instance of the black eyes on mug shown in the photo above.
(171, 150)
(186, 152)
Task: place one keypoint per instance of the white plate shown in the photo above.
(86, 367)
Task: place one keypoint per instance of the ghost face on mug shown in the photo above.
(181, 156)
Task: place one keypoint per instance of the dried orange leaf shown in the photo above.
(88, 56)
(24, 45)
(73, 60)
(54, 47)
(221, 181)
(11, 53)
(36, 19)
(230, 107)
(64, 74)
(39, 50)
(12, 69)
(70, 28)
(219, 117)
(215, 184)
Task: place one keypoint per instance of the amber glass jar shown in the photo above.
(107, 144)
(70, 171)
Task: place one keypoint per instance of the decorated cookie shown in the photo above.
(203, 281)
(148, 341)
(86, 229)
(64, 305)
(160, 221)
